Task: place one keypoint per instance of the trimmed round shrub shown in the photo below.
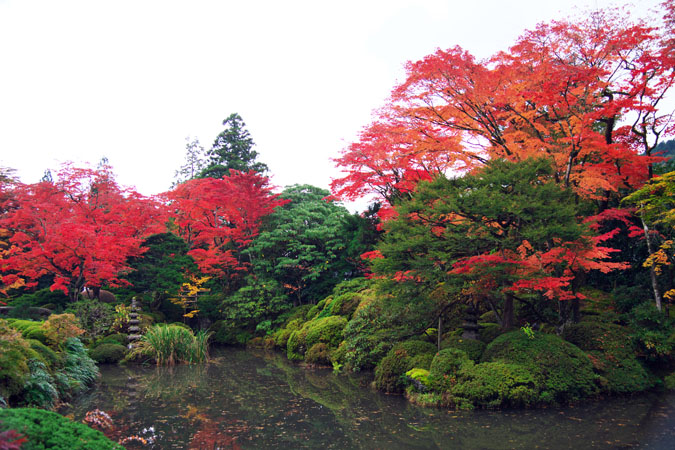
(46, 429)
(281, 337)
(294, 350)
(495, 384)
(562, 371)
(669, 381)
(327, 330)
(318, 354)
(108, 353)
(610, 349)
(473, 348)
(422, 361)
(414, 347)
(46, 354)
(390, 372)
(444, 368)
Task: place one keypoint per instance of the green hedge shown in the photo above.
(48, 430)
(108, 353)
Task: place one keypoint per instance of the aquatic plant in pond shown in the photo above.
(172, 344)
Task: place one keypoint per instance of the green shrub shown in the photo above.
(652, 333)
(422, 361)
(39, 389)
(46, 429)
(495, 384)
(610, 349)
(489, 332)
(415, 347)
(390, 372)
(318, 354)
(473, 348)
(94, 316)
(562, 371)
(14, 356)
(418, 379)
(444, 368)
(108, 353)
(117, 338)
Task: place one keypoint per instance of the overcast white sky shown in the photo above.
(130, 80)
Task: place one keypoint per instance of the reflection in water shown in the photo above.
(258, 400)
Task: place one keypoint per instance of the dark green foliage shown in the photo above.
(652, 333)
(39, 389)
(562, 372)
(414, 347)
(611, 351)
(259, 300)
(95, 317)
(444, 368)
(318, 354)
(228, 333)
(303, 244)
(108, 353)
(473, 348)
(669, 381)
(232, 150)
(48, 430)
(41, 298)
(495, 384)
(160, 270)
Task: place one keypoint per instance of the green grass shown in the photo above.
(171, 344)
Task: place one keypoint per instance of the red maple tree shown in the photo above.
(220, 217)
(584, 94)
(79, 229)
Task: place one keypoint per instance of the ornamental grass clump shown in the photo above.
(171, 344)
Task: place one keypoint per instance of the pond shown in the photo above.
(245, 399)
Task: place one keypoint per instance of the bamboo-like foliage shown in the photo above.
(173, 344)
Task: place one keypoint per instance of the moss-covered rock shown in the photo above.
(611, 351)
(473, 348)
(494, 385)
(562, 372)
(46, 429)
(108, 353)
(326, 330)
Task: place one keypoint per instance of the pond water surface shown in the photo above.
(245, 399)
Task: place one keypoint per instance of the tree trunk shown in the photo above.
(440, 331)
(507, 315)
(652, 273)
